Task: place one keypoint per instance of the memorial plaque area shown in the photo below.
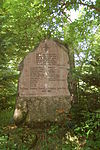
(43, 93)
(45, 72)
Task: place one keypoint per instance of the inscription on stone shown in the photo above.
(43, 59)
(45, 72)
(43, 93)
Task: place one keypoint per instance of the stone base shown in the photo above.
(37, 110)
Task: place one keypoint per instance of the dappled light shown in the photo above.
(65, 114)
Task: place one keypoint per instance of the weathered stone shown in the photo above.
(43, 93)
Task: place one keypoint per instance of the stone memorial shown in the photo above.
(43, 93)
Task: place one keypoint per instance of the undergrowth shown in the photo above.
(72, 136)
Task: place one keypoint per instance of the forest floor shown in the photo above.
(51, 138)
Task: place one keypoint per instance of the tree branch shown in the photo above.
(81, 3)
(91, 6)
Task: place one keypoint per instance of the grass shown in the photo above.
(6, 117)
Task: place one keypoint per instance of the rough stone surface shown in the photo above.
(43, 94)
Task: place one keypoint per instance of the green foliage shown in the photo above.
(5, 143)
(6, 117)
(23, 24)
(90, 130)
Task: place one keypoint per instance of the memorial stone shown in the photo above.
(43, 93)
